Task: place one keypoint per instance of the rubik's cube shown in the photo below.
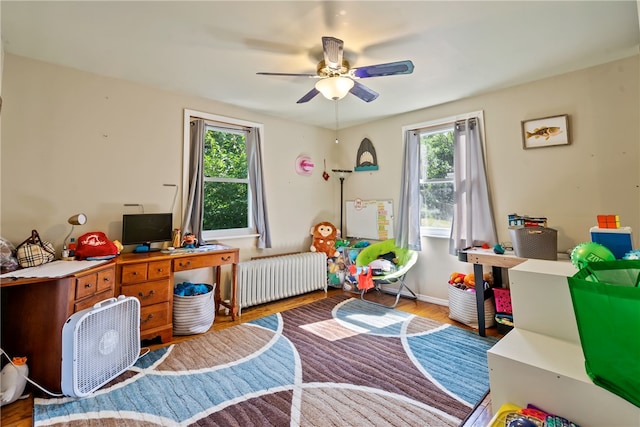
(608, 221)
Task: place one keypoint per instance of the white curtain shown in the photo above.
(408, 220)
(473, 222)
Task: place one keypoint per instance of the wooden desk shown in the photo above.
(34, 311)
(480, 257)
(149, 277)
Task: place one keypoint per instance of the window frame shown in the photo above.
(217, 121)
(434, 125)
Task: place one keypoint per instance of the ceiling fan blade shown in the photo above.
(389, 69)
(288, 74)
(333, 50)
(308, 96)
(363, 92)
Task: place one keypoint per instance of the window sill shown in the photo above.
(243, 236)
(438, 233)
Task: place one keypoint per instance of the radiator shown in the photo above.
(268, 279)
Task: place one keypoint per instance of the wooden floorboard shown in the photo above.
(20, 413)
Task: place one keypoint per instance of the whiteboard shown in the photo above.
(369, 219)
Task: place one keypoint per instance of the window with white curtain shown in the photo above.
(227, 197)
(437, 173)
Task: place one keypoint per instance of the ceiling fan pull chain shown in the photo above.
(337, 123)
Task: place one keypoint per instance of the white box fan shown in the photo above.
(98, 344)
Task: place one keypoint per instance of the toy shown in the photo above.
(588, 252)
(13, 380)
(324, 239)
(189, 241)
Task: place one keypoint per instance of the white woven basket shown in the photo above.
(193, 314)
(462, 308)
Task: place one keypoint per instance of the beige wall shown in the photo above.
(77, 142)
(598, 173)
(92, 144)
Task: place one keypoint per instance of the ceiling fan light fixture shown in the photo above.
(334, 87)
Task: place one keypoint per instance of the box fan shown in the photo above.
(98, 344)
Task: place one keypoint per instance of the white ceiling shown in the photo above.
(213, 49)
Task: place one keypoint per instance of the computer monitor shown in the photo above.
(144, 229)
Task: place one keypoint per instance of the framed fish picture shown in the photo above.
(545, 132)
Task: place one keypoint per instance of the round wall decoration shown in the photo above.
(304, 165)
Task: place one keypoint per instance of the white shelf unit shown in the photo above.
(541, 360)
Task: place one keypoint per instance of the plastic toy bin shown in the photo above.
(606, 302)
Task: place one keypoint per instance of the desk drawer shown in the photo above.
(149, 293)
(134, 273)
(106, 279)
(159, 270)
(200, 261)
(86, 285)
(91, 301)
(155, 315)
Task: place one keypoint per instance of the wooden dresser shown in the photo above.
(149, 277)
(34, 311)
(151, 281)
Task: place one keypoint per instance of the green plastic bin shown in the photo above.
(606, 301)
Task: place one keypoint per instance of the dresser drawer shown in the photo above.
(149, 293)
(159, 270)
(155, 315)
(91, 301)
(200, 261)
(134, 273)
(106, 279)
(86, 285)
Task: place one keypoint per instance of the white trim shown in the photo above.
(444, 121)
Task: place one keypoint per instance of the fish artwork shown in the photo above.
(545, 132)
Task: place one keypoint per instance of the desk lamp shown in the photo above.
(78, 219)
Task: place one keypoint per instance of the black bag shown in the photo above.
(34, 251)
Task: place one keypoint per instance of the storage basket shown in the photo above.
(535, 242)
(503, 300)
(462, 308)
(193, 314)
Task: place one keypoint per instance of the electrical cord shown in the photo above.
(143, 353)
(29, 380)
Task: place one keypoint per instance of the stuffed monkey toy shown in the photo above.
(324, 239)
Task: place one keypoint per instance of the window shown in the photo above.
(436, 179)
(436, 171)
(219, 182)
(226, 180)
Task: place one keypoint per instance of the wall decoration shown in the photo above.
(545, 132)
(304, 165)
(367, 159)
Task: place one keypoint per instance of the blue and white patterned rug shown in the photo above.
(335, 362)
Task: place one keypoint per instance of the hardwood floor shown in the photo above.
(20, 413)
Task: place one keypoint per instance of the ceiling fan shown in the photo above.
(337, 78)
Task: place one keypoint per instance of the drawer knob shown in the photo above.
(185, 264)
(87, 285)
(149, 317)
(106, 279)
(135, 273)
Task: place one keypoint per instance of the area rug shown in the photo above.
(338, 361)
